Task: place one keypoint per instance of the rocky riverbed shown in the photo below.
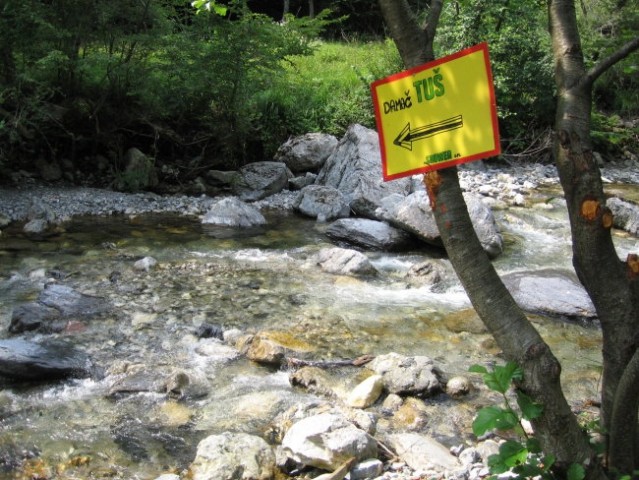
(174, 327)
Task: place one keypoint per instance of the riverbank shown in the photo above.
(508, 183)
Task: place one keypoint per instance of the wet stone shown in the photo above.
(24, 360)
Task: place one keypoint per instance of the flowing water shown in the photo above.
(256, 281)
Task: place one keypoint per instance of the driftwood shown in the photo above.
(356, 362)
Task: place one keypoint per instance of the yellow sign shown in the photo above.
(437, 115)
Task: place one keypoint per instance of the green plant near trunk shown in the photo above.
(521, 454)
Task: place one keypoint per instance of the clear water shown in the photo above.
(258, 281)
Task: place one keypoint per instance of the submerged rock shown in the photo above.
(54, 304)
(24, 360)
(342, 261)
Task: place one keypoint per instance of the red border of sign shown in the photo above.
(493, 114)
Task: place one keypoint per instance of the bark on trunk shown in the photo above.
(611, 283)
(557, 429)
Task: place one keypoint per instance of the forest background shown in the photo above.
(82, 81)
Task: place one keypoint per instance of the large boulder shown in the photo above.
(261, 179)
(413, 213)
(237, 456)
(233, 212)
(24, 360)
(327, 441)
(550, 292)
(322, 203)
(139, 172)
(369, 234)
(306, 153)
(355, 169)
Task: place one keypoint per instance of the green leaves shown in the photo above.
(501, 377)
(208, 5)
(494, 418)
(529, 409)
(524, 459)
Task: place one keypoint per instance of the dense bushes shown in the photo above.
(83, 82)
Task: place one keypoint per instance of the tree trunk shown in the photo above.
(611, 283)
(557, 429)
(286, 9)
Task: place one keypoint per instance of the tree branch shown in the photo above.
(623, 422)
(432, 21)
(412, 41)
(595, 72)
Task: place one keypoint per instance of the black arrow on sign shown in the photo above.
(407, 136)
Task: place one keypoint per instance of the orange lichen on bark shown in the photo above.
(607, 218)
(632, 261)
(432, 182)
(590, 209)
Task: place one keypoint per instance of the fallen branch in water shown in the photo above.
(356, 362)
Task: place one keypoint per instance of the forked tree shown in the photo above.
(611, 282)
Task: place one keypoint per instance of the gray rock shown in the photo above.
(34, 316)
(35, 226)
(414, 214)
(626, 215)
(322, 203)
(427, 272)
(422, 452)
(297, 183)
(262, 350)
(24, 360)
(355, 169)
(372, 468)
(458, 386)
(261, 179)
(550, 292)
(139, 171)
(369, 234)
(326, 441)
(341, 261)
(55, 304)
(146, 264)
(407, 375)
(306, 152)
(237, 456)
(4, 220)
(233, 212)
(70, 302)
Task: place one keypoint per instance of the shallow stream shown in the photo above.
(256, 281)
